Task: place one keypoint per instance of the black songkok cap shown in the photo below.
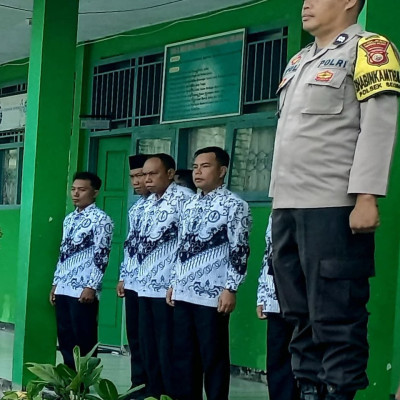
(137, 161)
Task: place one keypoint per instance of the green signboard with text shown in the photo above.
(203, 78)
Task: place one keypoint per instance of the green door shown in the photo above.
(112, 167)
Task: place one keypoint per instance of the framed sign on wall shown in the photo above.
(203, 78)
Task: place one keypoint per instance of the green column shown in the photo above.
(383, 367)
(44, 178)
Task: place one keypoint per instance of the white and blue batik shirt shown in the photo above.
(84, 251)
(266, 294)
(128, 270)
(158, 240)
(213, 247)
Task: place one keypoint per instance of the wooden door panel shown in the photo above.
(113, 169)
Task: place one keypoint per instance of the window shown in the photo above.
(10, 167)
(153, 146)
(265, 63)
(113, 89)
(203, 137)
(252, 159)
(128, 92)
(12, 128)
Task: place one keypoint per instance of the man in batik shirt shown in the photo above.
(211, 264)
(84, 253)
(127, 286)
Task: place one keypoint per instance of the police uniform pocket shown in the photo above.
(343, 289)
(324, 92)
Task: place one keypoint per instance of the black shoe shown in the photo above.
(309, 391)
(334, 394)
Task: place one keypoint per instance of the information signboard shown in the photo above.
(203, 78)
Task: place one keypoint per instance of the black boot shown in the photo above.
(334, 394)
(309, 391)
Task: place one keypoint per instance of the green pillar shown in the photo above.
(384, 367)
(44, 178)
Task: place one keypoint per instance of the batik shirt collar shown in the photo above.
(87, 210)
(169, 192)
(213, 194)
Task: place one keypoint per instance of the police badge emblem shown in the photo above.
(296, 60)
(324, 76)
(377, 51)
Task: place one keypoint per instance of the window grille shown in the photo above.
(265, 63)
(11, 153)
(11, 150)
(128, 92)
(113, 90)
(148, 97)
(11, 137)
(13, 89)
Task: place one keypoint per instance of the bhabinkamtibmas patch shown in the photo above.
(377, 68)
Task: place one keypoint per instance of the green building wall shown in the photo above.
(247, 333)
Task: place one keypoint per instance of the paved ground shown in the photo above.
(116, 368)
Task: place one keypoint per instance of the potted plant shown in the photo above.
(68, 384)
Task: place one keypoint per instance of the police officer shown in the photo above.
(338, 110)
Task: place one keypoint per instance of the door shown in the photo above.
(112, 168)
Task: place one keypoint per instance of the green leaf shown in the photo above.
(33, 388)
(75, 384)
(93, 362)
(45, 372)
(10, 395)
(165, 397)
(91, 397)
(92, 377)
(106, 390)
(77, 357)
(66, 374)
(84, 360)
(130, 391)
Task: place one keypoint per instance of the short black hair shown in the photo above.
(361, 5)
(220, 154)
(166, 159)
(95, 181)
(186, 175)
(138, 160)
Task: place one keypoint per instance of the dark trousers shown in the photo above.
(138, 374)
(76, 326)
(155, 334)
(200, 332)
(321, 271)
(280, 378)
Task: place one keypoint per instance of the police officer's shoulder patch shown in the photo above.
(377, 67)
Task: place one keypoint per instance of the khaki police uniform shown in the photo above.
(337, 124)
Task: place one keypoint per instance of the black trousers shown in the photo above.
(155, 335)
(201, 352)
(76, 326)
(321, 272)
(280, 378)
(138, 374)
